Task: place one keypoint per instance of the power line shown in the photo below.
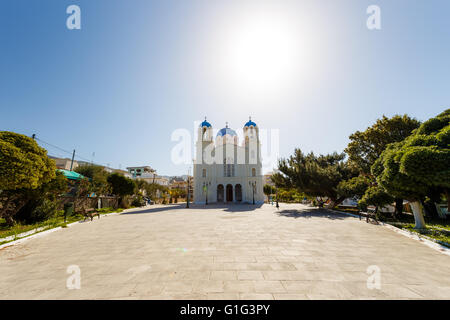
(68, 152)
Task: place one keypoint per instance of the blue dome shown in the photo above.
(250, 123)
(225, 131)
(205, 124)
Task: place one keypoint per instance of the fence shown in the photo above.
(89, 203)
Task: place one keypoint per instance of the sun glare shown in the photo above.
(261, 52)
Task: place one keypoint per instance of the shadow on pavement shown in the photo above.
(232, 207)
(311, 213)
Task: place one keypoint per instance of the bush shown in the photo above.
(137, 201)
(37, 211)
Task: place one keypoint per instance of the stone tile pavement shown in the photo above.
(218, 252)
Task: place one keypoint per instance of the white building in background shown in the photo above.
(138, 172)
(225, 171)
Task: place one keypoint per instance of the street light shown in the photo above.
(205, 188)
(253, 184)
(276, 195)
(188, 188)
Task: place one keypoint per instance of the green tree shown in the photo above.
(268, 190)
(418, 166)
(375, 196)
(121, 186)
(140, 184)
(24, 165)
(41, 203)
(98, 178)
(152, 188)
(366, 147)
(356, 186)
(314, 175)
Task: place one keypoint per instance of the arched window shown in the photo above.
(253, 172)
(204, 173)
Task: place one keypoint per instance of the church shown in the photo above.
(226, 171)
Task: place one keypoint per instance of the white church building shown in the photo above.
(226, 171)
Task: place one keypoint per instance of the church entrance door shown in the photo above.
(238, 192)
(229, 192)
(220, 193)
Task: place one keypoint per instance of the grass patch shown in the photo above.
(57, 221)
(109, 210)
(432, 231)
(436, 229)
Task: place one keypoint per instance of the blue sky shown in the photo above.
(137, 70)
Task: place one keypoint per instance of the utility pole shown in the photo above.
(71, 163)
(188, 188)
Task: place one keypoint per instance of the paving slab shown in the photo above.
(224, 252)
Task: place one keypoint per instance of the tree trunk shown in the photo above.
(335, 202)
(398, 207)
(417, 209)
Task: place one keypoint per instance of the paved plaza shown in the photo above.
(214, 252)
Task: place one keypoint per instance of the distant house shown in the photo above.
(140, 172)
(122, 172)
(64, 163)
(178, 184)
(159, 180)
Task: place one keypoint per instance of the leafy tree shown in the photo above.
(121, 186)
(98, 178)
(376, 196)
(140, 186)
(268, 190)
(314, 175)
(24, 165)
(366, 147)
(356, 186)
(425, 156)
(41, 203)
(418, 166)
(83, 190)
(152, 188)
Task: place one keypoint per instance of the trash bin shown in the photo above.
(68, 210)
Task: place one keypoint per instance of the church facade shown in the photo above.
(226, 171)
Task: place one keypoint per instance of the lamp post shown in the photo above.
(188, 188)
(205, 189)
(253, 184)
(276, 195)
(187, 200)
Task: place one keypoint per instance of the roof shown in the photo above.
(72, 175)
(225, 131)
(250, 123)
(205, 124)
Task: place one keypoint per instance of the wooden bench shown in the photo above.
(370, 214)
(90, 213)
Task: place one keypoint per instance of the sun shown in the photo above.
(261, 52)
